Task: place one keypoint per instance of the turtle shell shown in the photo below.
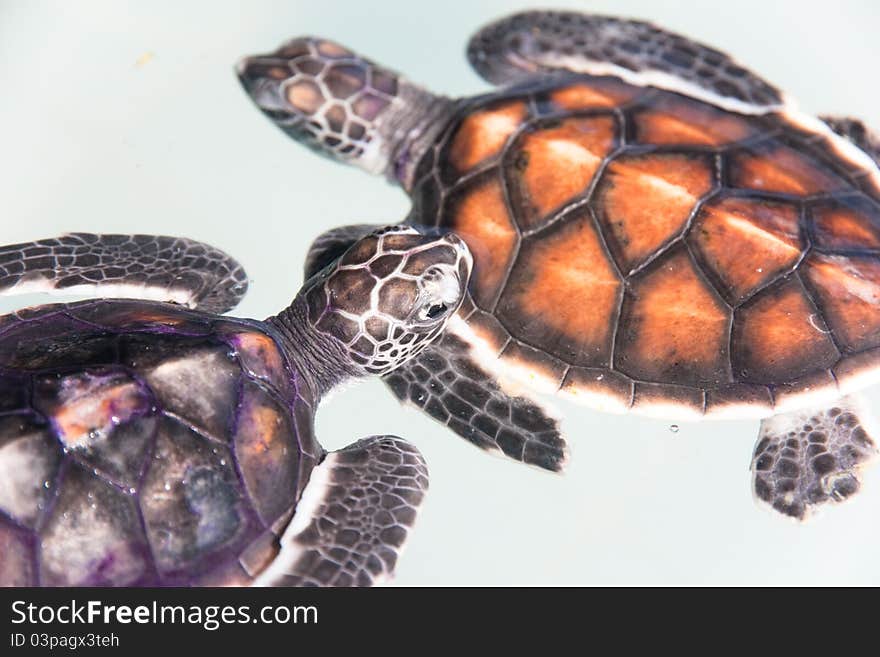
(645, 250)
(144, 444)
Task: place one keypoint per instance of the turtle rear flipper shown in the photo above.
(447, 383)
(857, 132)
(128, 266)
(354, 517)
(538, 42)
(812, 456)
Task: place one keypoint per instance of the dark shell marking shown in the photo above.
(173, 454)
(656, 247)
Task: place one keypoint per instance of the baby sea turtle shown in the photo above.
(655, 229)
(149, 443)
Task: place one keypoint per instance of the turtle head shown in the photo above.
(340, 104)
(323, 95)
(389, 295)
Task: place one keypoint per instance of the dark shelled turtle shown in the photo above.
(151, 443)
(655, 229)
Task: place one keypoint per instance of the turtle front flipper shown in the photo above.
(448, 384)
(128, 266)
(531, 43)
(857, 132)
(812, 456)
(354, 517)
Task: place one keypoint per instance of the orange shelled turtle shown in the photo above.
(655, 229)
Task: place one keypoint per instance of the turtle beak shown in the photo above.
(263, 81)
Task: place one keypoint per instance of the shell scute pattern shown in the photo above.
(644, 247)
(644, 202)
(688, 346)
(604, 93)
(777, 167)
(679, 121)
(742, 242)
(138, 473)
(546, 290)
(840, 224)
(579, 145)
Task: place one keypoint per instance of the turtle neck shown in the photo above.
(318, 357)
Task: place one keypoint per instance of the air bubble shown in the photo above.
(673, 428)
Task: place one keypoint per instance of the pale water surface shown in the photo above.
(126, 116)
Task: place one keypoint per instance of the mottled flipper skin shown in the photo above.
(448, 384)
(364, 500)
(857, 132)
(811, 457)
(141, 266)
(534, 42)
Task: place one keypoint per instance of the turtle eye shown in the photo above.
(435, 311)
(432, 311)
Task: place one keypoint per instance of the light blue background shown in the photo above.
(90, 140)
